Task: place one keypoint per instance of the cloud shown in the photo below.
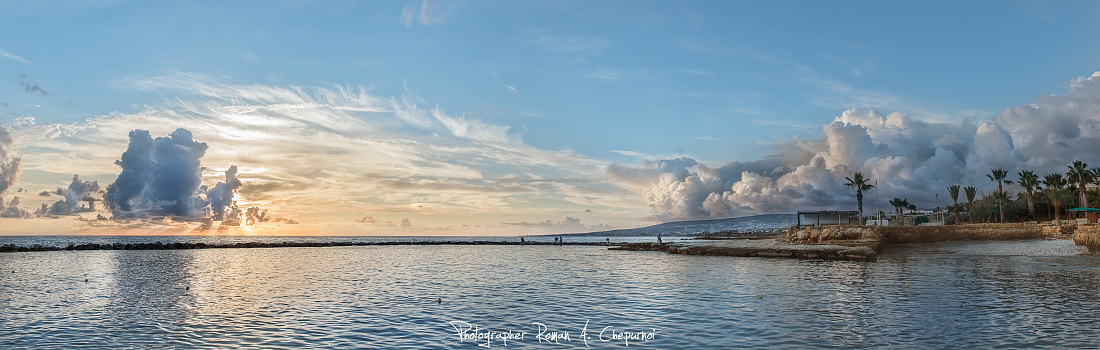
(10, 166)
(159, 175)
(14, 211)
(908, 158)
(560, 44)
(510, 88)
(566, 224)
(14, 57)
(72, 198)
(406, 224)
(366, 220)
(163, 177)
(608, 75)
(699, 72)
(30, 86)
(628, 153)
(427, 12)
(221, 196)
(326, 152)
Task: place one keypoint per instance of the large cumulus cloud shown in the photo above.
(908, 158)
(159, 174)
(10, 166)
(163, 176)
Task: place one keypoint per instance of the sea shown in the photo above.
(1015, 294)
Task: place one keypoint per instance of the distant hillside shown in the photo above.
(698, 227)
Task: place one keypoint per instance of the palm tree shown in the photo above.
(954, 192)
(1030, 182)
(1079, 175)
(999, 175)
(861, 184)
(1001, 199)
(1056, 192)
(1096, 178)
(897, 204)
(970, 192)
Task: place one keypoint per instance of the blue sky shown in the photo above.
(615, 82)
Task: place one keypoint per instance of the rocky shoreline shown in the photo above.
(865, 243)
(765, 248)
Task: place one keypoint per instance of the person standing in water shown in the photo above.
(658, 238)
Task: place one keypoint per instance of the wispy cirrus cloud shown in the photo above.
(336, 153)
(563, 44)
(427, 12)
(12, 56)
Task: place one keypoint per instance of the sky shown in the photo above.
(522, 117)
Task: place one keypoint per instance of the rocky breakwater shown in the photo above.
(971, 232)
(768, 248)
(846, 236)
(865, 243)
(1088, 236)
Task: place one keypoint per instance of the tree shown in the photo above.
(970, 192)
(1001, 199)
(1000, 176)
(897, 204)
(953, 190)
(1030, 182)
(1096, 178)
(1079, 175)
(1056, 192)
(912, 208)
(860, 184)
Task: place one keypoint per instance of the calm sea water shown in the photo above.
(1024, 294)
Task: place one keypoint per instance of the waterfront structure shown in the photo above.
(826, 218)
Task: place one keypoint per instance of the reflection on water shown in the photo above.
(1005, 294)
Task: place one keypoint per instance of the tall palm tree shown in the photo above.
(1056, 192)
(1030, 182)
(861, 184)
(1079, 175)
(1001, 199)
(970, 192)
(953, 190)
(1000, 176)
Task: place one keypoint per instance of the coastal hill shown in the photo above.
(702, 227)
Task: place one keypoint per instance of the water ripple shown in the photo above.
(1029, 294)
